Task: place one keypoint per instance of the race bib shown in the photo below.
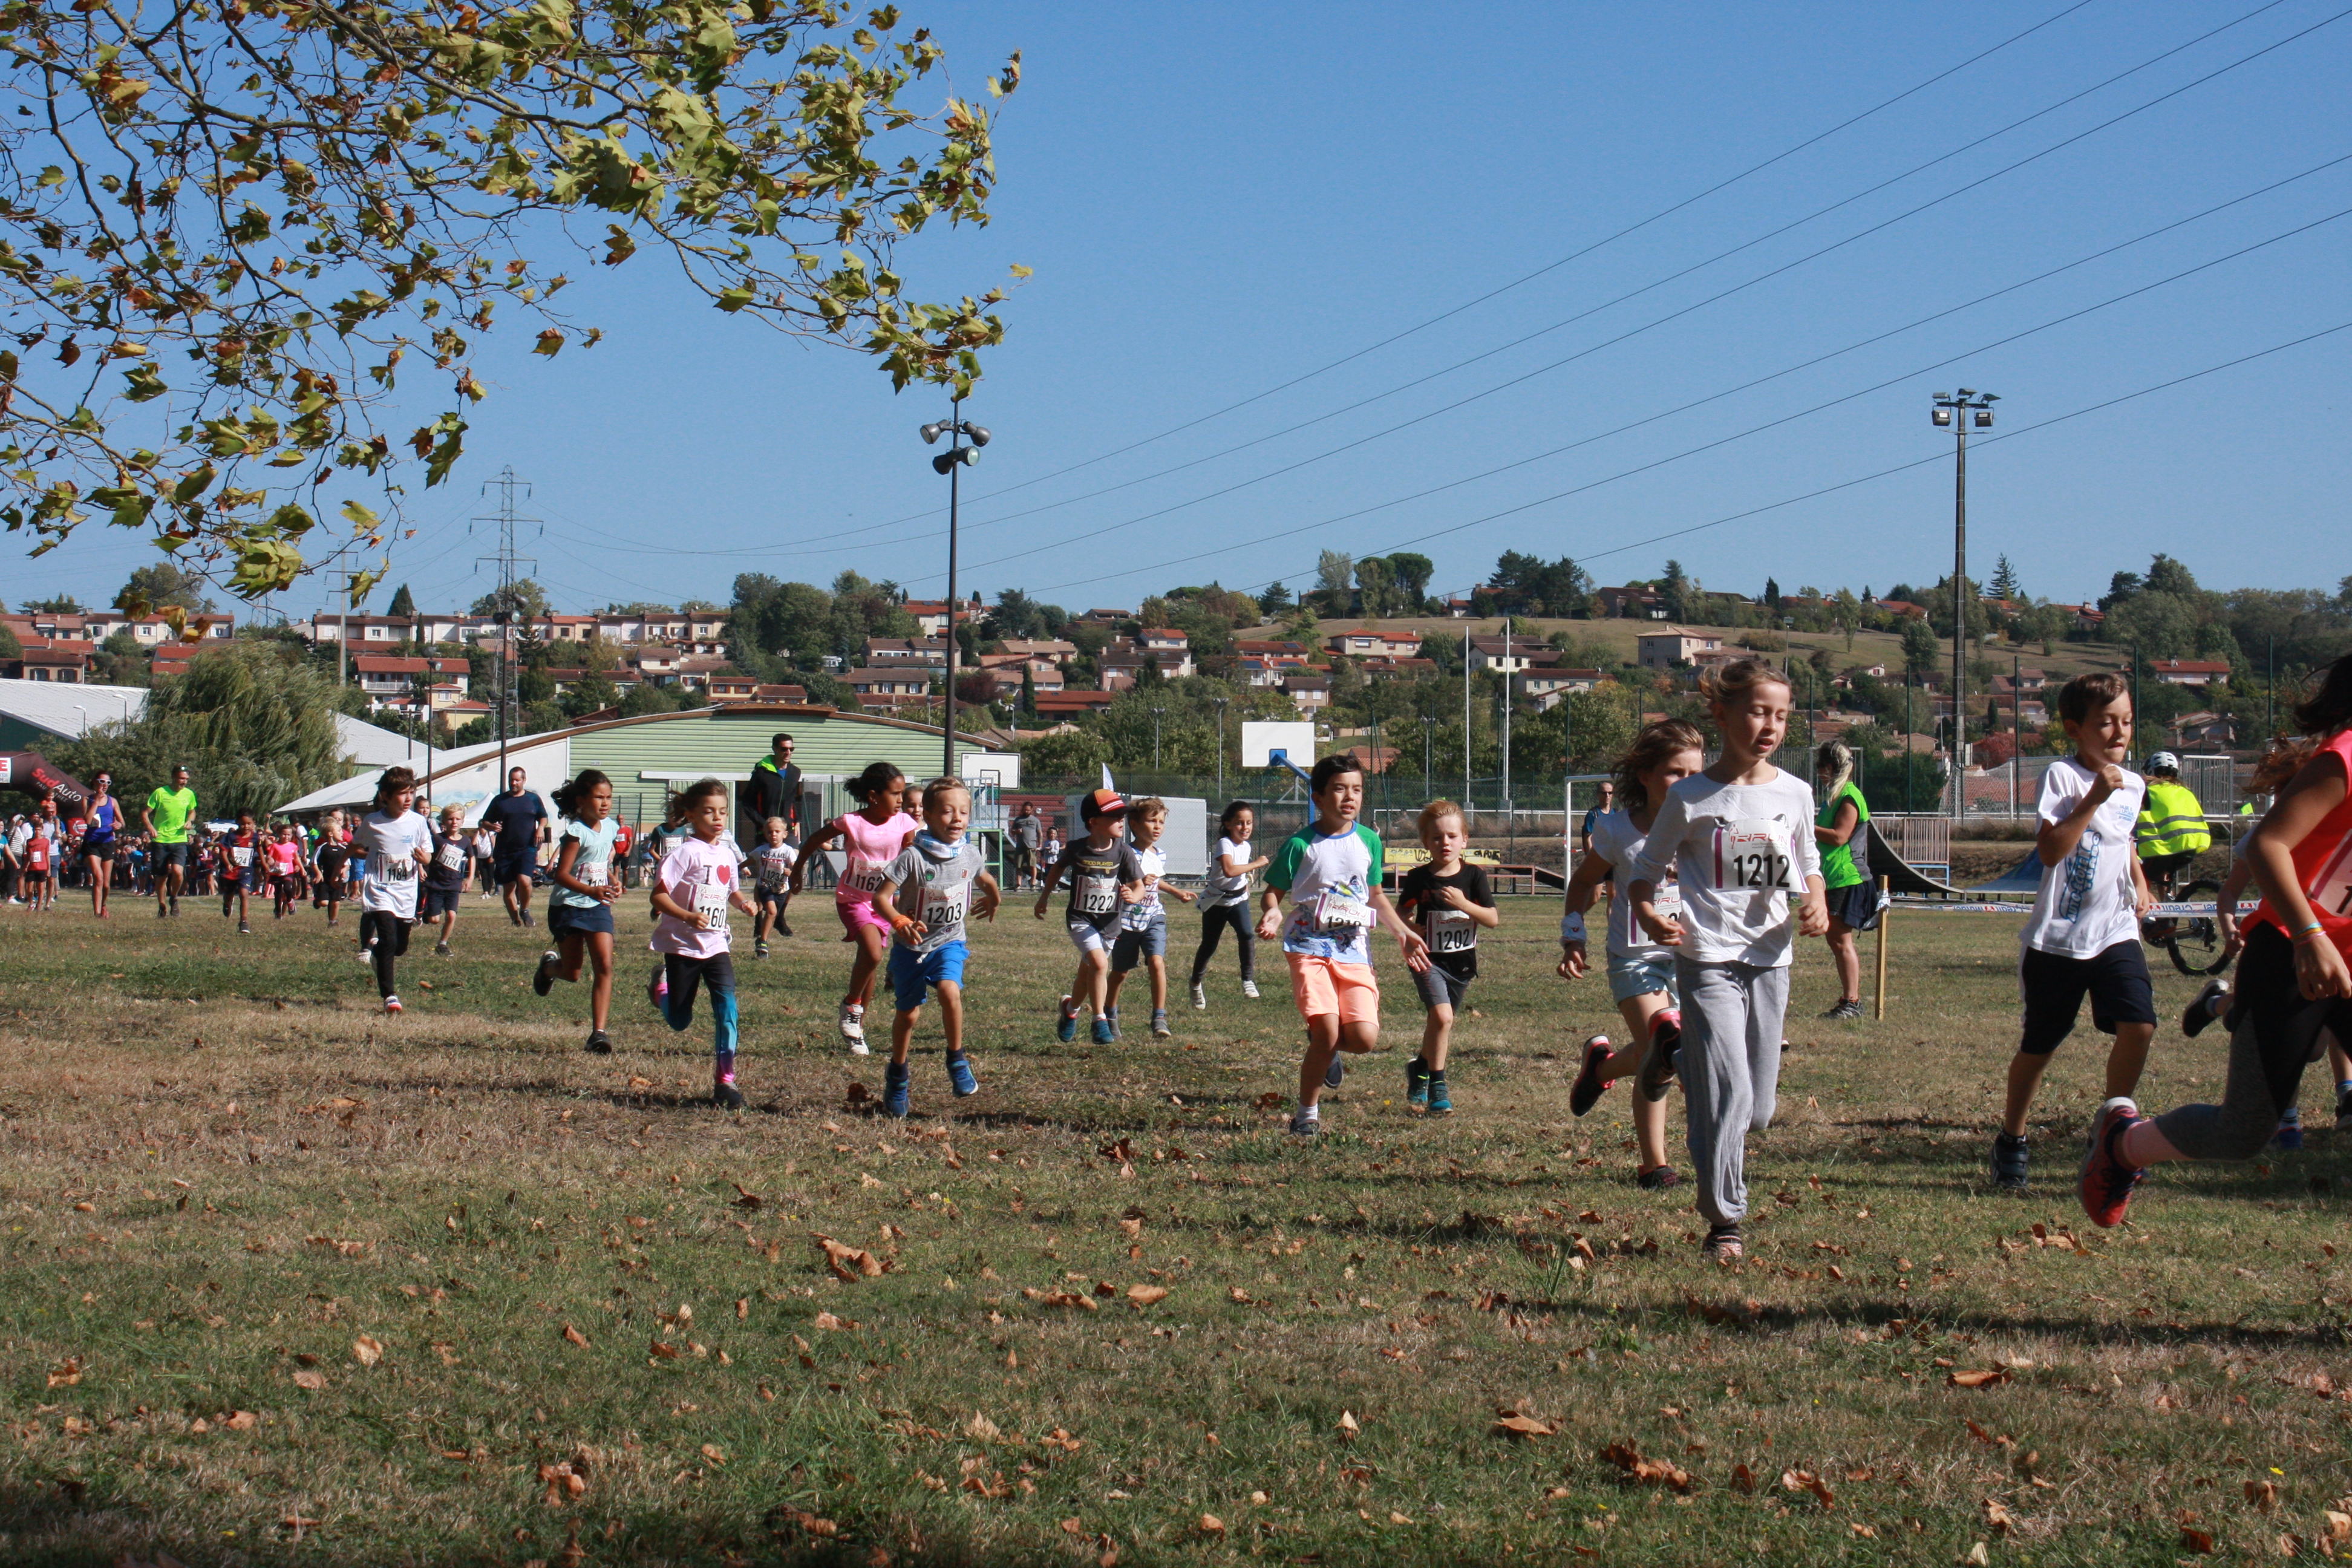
(1097, 895)
(242, 853)
(1752, 855)
(1667, 897)
(943, 910)
(2331, 891)
(1451, 931)
(587, 875)
(710, 903)
(453, 856)
(1339, 909)
(863, 876)
(774, 872)
(388, 869)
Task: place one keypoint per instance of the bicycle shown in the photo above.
(2194, 942)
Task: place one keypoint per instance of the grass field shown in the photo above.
(288, 1282)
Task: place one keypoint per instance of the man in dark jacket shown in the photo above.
(772, 790)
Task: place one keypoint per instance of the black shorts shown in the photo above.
(763, 895)
(171, 855)
(517, 865)
(439, 902)
(99, 848)
(1441, 987)
(1855, 906)
(2114, 979)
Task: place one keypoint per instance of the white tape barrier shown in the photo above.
(1937, 907)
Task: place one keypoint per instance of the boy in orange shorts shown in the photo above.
(1331, 870)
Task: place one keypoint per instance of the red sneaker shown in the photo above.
(2107, 1181)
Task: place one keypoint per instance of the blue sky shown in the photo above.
(1220, 200)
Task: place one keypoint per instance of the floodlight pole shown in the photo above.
(1958, 412)
(955, 482)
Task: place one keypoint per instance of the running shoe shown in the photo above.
(242, 928)
(367, 954)
(853, 1029)
(758, 949)
(1066, 1028)
(960, 1077)
(725, 1096)
(1249, 989)
(896, 1088)
(1113, 1016)
(2107, 1181)
(160, 912)
(783, 928)
(2289, 1136)
(1849, 1008)
(440, 950)
(1338, 1070)
(2343, 1106)
(1160, 1029)
(1657, 1178)
(2205, 1006)
(175, 908)
(1722, 1243)
(392, 1003)
(542, 979)
(1589, 1085)
(1199, 995)
(1416, 1085)
(513, 917)
(1307, 1123)
(1440, 1102)
(658, 988)
(600, 1044)
(1105, 1032)
(1659, 1064)
(529, 921)
(2009, 1156)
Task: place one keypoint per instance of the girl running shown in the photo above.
(104, 814)
(2295, 978)
(1641, 972)
(444, 884)
(935, 875)
(1853, 896)
(284, 864)
(1225, 902)
(580, 913)
(331, 860)
(1738, 835)
(873, 837)
(240, 870)
(771, 875)
(694, 887)
(398, 845)
(1447, 900)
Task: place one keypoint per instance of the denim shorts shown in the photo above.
(573, 920)
(912, 973)
(1134, 946)
(1632, 977)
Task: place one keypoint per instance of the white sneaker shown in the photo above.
(392, 1003)
(1199, 995)
(1249, 989)
(853, 1029)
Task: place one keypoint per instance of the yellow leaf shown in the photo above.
(369, 1349)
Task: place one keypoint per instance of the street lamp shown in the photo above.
(1957, 413)
(951, 463)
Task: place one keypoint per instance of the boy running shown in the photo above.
(1143, 924)
(166, 817)
(771, 879)
(1331, 871)
(1103, 874)
(240, 872)
(936, 874)
(444, 881)
(2082, 936)
(1448, 899)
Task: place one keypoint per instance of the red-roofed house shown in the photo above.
(2190, 671)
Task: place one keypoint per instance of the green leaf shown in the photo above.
(361, 517)
(735, 300)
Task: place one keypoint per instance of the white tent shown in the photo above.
(70, 710)
(463, 776)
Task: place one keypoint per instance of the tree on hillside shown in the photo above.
(2166, 575)
(1377, 586)
(2004, 585)
(223, 183)
(1921, 651)
(62, 605)
(10, 648)
(152, 590)
(403, 602)
(2121, 586)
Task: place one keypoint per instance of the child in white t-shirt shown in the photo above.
(771, 880)
(1143, 924)
(2083, 938)
(1739, 838)
(1225, 901)
(697, 881)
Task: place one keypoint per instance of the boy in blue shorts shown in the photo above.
(935, 875)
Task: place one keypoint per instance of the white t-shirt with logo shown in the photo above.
(1138, 915)
(1743, 853)
(391, 844)
(2086, 902)
(1616, 840)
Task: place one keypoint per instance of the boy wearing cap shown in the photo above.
(1331, 870)
(1103, 874)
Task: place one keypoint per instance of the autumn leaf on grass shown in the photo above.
(1349, 1429)
(2195, 1539)
(69, 1374)
(1743, 1480)
(369, 1349)
(827, 1321)
(981, 1428)
(241, 1421)
(314, 1381)
(1147, 1295)
(661, 1352)
(1511, 1424)
(1741, 1314)
(574, 1336)
(745, 1198)
(1212, 1525)
(2263, 1494)
(1998, 1519)
(849, 1263)
(712, 1452)
(1648, 1472)
(1985, 1377)
(1806, 1482)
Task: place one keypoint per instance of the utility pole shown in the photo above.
(1513, 818)
(1958, 413)
(505, 560)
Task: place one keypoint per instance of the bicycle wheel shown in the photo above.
(2196, 941)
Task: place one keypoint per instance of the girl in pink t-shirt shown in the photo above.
(871, 837)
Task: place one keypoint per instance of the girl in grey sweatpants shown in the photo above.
(1739, 836)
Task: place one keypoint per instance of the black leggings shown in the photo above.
(2274, 1033)
(385, 935)
(1214, 920)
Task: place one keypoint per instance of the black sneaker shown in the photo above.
(1657, 1178)
(1339, 1070)
(527, 919)
(1722, 1244)
(542, 979)
(1589, 1085)
(600, 1044)
(2205, 1006)
(1849, 1008)
(2009, 1161)
(783, 928)
(726, 1097)
(758, 949)
(1658, 1062)
(440, 950)
(2343, 1109)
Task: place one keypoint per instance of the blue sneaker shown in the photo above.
(960, 1074)
(1416, 1085)
(1066, 1028)
(1339, 1070)
(894, 1089)
(2290, 1130)
(1105, 1032)
(1113, 1015)
(1440, 1102)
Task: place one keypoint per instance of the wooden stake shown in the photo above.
(1885, 914)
